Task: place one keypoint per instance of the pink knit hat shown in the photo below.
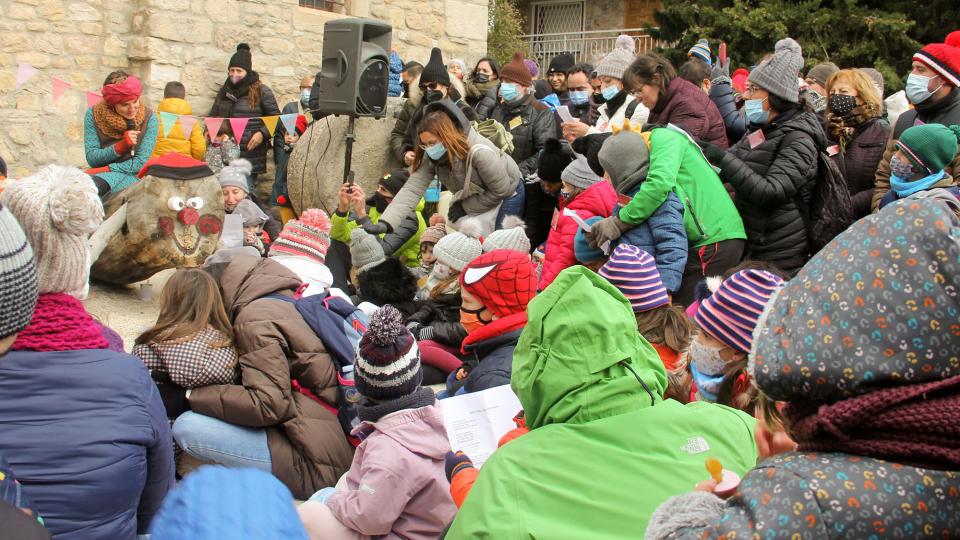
(731, 313)
(433, 234)
(308, 236)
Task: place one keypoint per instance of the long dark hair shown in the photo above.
(190, 302)
(493, 65)
(650, 68)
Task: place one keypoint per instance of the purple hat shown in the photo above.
(532, 67)
(634, 272)
(731, 313)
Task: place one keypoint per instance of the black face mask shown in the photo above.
(842, 105)
(481, 78)
(432, 96)
(405, 87)
(598, 98)
(379, 202)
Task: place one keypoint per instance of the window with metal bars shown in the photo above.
(335, 6)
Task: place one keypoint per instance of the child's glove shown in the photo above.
(606, 230)
(126, 143)
(455, 212)
(456, 462)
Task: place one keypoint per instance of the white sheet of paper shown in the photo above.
(573, 215)
(565, 115)
(232, 235)
(475, 422)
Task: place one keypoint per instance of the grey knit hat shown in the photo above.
(778, 74)
(513, 237)
(365, 250)
(456, 250)
(624, 157)
(579, 174)
(235, 174)
(18, 276)
(822, 72)
(618, 60)
(252, 215)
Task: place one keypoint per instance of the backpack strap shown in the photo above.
(631, 108)
(906, 120)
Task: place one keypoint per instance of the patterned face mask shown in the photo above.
(901, 168)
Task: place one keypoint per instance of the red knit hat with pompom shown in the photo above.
(503, 280)
(308, 236)
(944, 58)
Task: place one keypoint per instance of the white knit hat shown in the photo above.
(619, 59)
(58, 208)
(456, 250)
(513, 236)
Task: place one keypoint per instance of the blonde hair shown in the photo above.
(866, 90)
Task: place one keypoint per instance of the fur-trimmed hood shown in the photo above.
(457, 91)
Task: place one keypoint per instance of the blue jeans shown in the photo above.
(323, 495)
(512, 205)
(210, 439)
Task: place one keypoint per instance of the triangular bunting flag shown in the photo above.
(238, 125)
(271, 123)
(59, 87)
(168, 120)
(93, 98)
(213, 127)
(187, 122)
(25, 72)
(289, 122)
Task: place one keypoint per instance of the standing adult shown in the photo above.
(283, 144)
(774, 169)
(243, 95)
(579, 103)
(96, 460)
(673, 100)
(267, 422)
(482, 81)
(818, 76)
(856, 127)
(932, 88)
(617, 103)
(557, 75)
(483, 178)
(119, 134)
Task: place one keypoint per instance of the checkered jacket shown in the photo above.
(192, 363)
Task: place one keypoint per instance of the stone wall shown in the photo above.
(80, 41)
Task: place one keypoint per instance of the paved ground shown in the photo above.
(122, 308)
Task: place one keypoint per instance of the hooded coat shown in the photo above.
(494, 177)
(576, 474)
(686, 106)
(866, 316)
(597, 200)
(176, 140)
(769, 180)
(308, 449)
(266, 105)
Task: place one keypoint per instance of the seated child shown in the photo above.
(591, 257)
(192, 144)
(396, 486)
(379, 280)
(923, 152)
(302, 247)
(512, 236)
(253, 220)
(425, 279)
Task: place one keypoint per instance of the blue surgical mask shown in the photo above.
(707, 386)
(917, 88)
(610, 92)
(579, 98)
(509, 91)
(904, 187)
(305, 95)
(753, 110)
(436, 151)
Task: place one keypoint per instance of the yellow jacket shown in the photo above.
(175, 141)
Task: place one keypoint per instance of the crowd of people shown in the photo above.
(726, 303)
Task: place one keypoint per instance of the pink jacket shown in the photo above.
(597, 200)
(396, 484)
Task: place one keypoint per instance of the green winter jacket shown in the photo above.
(403, 242)
(677, 164)
(599, 458)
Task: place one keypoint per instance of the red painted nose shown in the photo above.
(188, 216)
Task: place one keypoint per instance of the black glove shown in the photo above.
(455, 212)
(174, 399)
(712, 152)
(380, 227)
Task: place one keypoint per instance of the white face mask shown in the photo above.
(441, 271)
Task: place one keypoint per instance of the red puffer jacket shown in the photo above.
(597, 200)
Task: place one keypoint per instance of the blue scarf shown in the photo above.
(905, 188)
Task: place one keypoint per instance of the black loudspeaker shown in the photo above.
(355, 68)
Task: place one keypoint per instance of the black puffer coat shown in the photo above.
(769, 179)
(224, 106)
(442, 314)
(531, 123)
(859, 162)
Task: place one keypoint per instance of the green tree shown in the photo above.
(504, 28)
(846, 32)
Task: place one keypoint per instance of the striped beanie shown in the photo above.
(387, 366)
(308, 236)
(634, 272)
(944, 58)
(701, 51)
(731, 313)
(18, 276)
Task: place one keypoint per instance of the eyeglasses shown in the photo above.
(750, 90)
(428, 86)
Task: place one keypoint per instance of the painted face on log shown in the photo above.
(187, 227)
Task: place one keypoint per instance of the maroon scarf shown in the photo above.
(60, 323)
(914, 425)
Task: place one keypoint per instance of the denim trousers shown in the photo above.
(210, 439)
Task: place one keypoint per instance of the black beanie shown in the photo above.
(554, 158)
(242, 58)
(395, 180)
(589, 146)
(435, 71)
(561, 62)
(541, 89)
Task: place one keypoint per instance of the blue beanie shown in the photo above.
(701, 51)
(581, 249)
(216, 502)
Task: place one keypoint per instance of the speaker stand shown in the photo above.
(348, 149)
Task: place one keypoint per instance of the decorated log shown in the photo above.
(171, 218)
(315, 169)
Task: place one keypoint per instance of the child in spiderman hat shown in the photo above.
(495, 289)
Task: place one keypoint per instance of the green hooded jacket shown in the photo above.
(599, 458)
(678, 165)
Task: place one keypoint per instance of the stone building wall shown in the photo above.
(80, 41)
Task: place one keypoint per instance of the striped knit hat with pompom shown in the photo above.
(731, 313)
(308, 236)
(634, 272)
(388, 359)
(18, 277)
